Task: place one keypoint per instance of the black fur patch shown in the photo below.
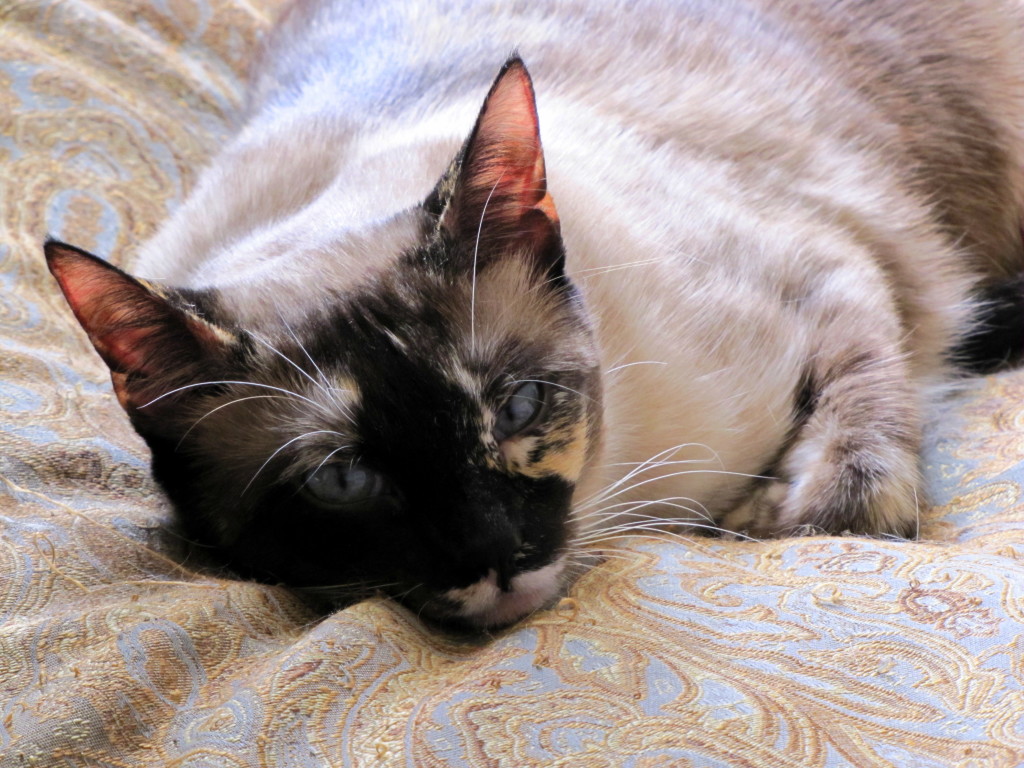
(998, 340)
(454, 517)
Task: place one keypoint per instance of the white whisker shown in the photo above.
(649, 480)
(294, 439)
(237, 383)
(645, 465)
(606, 514)
(329, 390)
(326, 459)
(552, 384)
(631, 532)
(626, 529)
(630, 365)
(668, 501)
(604, 270)
(652, 462)
(476, 252)
(324, 384)
(595, 554)
(225, 405)
(288, 360)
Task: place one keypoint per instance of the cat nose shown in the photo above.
(505, 571)
(497, 555)
(501, 576)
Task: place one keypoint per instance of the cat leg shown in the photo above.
(851, 463)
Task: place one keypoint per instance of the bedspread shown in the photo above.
(117, 650)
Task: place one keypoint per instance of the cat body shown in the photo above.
(705, 265)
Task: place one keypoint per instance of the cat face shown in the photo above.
(421, 434)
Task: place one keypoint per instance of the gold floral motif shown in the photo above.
(949, 610)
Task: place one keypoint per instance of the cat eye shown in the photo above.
(339, 486)
(520, 411)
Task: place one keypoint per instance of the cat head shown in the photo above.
(421, 433)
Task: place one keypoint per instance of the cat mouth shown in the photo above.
(484, 605)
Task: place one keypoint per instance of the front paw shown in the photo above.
(831, 482)
(859, 482)
(864, 484)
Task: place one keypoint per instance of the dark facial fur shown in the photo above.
(397, 379)
(382, 394)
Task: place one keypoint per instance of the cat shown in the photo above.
(394, 341)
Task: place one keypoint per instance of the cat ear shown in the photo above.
(499, 200)
(151, 344)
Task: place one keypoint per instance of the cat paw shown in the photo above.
(857, 483)
(836, 488)
(833, 487)
(852, 460)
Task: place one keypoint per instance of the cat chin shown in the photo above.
(483, 605)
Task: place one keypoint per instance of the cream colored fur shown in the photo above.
(749, 193)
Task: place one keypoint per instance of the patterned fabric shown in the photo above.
(117, 651)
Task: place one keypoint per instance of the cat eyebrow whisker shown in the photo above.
(327, 388)
(318, 466)
(323, 385)
(238, 383)
(627, 353)
(476, 253)
(288, 360)
(596, 271)
(225, 405)
(629, 365)
(293, 440)
(552, 384)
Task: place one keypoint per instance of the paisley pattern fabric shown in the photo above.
(116, 650)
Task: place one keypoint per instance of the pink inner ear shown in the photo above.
(132, 348)
(132, 328)
(505, 162)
